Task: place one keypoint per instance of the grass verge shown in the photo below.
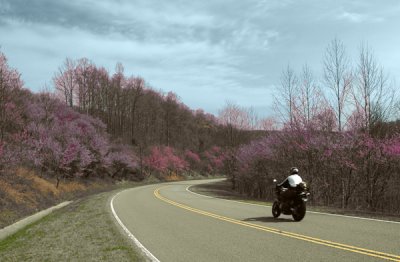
(82, 231)
(222, 189)
(85, 230)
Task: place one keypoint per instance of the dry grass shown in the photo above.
(71, 186)
(48, 186)
(22, 193)
(173, 177)
(42, 185)
(15, 193)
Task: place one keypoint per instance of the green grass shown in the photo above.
(82, 231)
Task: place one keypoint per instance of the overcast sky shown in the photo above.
(208, 52)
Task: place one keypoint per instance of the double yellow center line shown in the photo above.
(314, 240)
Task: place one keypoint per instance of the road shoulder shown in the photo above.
(81, 231)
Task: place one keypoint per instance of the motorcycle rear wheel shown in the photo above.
(299, 211)
(276, 211)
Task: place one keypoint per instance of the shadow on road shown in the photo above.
(268, 219)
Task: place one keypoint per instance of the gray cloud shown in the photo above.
(67, 14)
(232, 49)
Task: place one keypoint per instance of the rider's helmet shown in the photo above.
(294, 171)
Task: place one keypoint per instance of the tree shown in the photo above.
(82, 71)
(67, 144)
(170, 108)
(338, 77)
(286, 97)
(269, 124)
(65, 81)
(235, 119)
(252, 118)
(10, 84)
(193, 159)
(134, 87)
(324, 119)
(311, 102)
(165, 161)
(372, 94)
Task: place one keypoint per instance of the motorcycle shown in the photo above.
(291, 203)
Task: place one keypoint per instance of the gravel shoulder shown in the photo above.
(82, 231)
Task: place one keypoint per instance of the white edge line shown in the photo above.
(313, 212)
(130, 235)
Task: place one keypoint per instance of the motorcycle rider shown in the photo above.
(287, 187)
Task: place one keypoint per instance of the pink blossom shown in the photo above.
(162, 159)
(191, 156)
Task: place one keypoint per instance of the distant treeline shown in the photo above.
(134, 112)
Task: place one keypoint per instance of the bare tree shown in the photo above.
(134, 87)
(285, 99)
(311, 99)
(252, 118)
(373, 95)
(65, 81)
(235, 119)
(268, 124)
(337, 76)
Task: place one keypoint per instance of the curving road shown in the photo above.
(175, 224)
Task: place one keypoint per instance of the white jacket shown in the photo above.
(294, 180)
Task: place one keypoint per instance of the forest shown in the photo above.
(340, 130)
(95, 124)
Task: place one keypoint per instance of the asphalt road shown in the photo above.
(177, 225)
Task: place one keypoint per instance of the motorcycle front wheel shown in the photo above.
(299, 211)
(276, 211)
